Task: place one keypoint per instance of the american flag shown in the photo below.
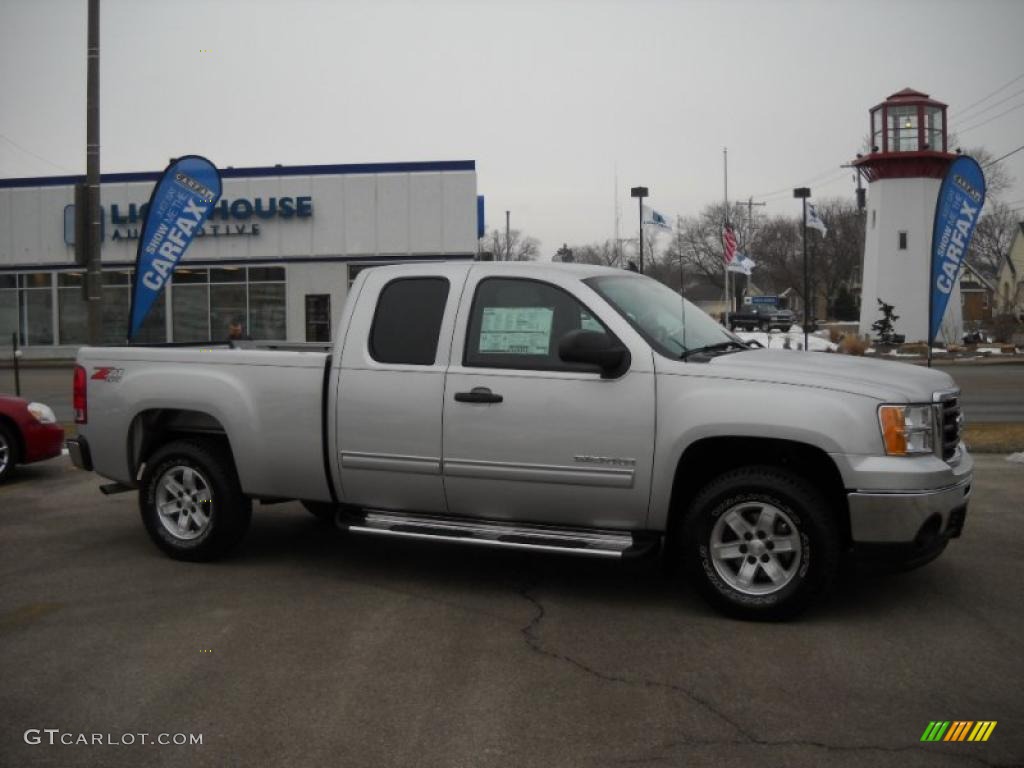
(729, 244)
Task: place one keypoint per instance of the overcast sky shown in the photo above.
(547, 97)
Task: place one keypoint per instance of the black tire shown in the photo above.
(9, 451)
(745, 491)
(323, 511)
(227, 511)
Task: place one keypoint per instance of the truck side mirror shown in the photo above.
(595, 348)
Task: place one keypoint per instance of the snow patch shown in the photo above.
(777, 340)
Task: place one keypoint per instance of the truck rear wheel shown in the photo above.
(191, 502)
(759, 543)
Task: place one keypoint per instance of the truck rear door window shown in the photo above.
(407, 322)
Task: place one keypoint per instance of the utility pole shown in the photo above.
(93, 270)
(750, 234)
(508, 241)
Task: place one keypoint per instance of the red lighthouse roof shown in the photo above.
(908, 138)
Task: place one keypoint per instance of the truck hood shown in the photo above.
(879, 379)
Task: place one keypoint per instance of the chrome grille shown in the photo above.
(950, 422)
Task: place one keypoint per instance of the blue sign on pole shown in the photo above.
(957, 210)
(177, 209)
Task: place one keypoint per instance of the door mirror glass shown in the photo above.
(595, 348)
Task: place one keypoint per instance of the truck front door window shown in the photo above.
(517, 323)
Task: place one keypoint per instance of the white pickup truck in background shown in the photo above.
(554, 407)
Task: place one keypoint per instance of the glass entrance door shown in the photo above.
(318, 317)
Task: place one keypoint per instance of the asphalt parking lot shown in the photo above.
(309, 649)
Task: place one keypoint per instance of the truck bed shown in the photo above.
(270, 401)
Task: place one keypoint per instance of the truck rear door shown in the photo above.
(391, 388)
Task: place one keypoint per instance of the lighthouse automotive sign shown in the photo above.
(957, 209)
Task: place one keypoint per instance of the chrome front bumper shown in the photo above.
(904, 516)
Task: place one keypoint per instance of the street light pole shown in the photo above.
(803, 193)
(640, 193)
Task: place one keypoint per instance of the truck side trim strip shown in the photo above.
(601, 477)
(391, 462)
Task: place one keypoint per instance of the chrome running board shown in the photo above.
(575, 541)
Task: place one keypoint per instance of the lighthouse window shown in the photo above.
(933, 129)
(903, 241)
(902, 133)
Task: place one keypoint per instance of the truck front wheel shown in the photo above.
(760, 543)
(191, 502)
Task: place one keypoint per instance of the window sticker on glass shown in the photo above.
(516, 330)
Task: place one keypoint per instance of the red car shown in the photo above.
(28, 432)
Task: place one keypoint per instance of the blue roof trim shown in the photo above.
(258, 171)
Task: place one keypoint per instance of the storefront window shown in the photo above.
(35, 305)
(71, 312)
(266, 311)
(227, 308)
(8, 308)
(191, 311)
(115, 314)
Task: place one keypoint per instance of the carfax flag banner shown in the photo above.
(957, 210)
(180, 204)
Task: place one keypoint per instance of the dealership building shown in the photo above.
(277, 255)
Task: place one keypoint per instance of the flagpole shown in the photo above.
(725, 263)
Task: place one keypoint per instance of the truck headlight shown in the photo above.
(42, 413)
(907, 430)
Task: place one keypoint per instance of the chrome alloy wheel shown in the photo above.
(184, 502)
(756, 548)
(5, 453)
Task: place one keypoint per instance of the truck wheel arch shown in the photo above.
(154, 427)
(705, 459)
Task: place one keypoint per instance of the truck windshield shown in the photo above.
(669, 323)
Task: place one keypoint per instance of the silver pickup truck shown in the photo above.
(563, 408)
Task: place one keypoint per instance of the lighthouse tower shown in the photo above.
(904, 169)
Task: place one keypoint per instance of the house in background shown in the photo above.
(977, 295)
(1010, 278)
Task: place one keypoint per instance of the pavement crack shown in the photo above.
(531, 635)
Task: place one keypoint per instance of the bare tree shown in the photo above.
(993, 238)
(518, 247)
(596, 253)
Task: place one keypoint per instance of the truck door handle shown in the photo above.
(478, 395)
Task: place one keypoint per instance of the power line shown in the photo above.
(16, 145)
(986, 98)
(1013, 152)
(994, 117)
(808, 182)
(959, 116)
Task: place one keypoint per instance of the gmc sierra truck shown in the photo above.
(555, 407)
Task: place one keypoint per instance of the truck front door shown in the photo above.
(528, 437)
